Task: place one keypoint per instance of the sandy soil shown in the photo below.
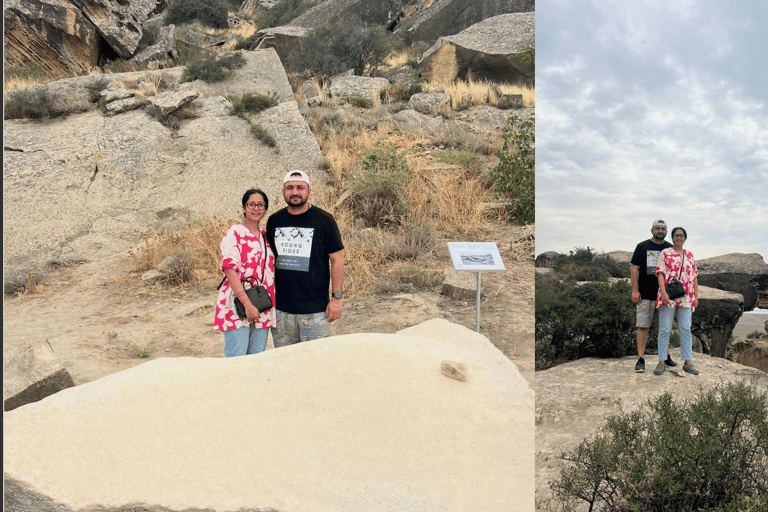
(98, 317)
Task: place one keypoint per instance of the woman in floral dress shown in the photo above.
(669, 263)
(244, 254)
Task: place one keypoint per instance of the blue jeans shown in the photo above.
(667, 315)
(245, 340)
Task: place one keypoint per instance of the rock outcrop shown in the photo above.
(66, 36)
(574, 399)
(357, 422)
(372, 12)
(448, 17)
(547, 259)
(713, 320)
(31, 372)
(483, 51)
(55, 34)
(746, 274)
(101, 180)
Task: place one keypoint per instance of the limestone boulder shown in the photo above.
(714, 319)
(32, 372)
(357, 86)
(484, 51)
(448, 17)
(285, 40)
(746, 274)
(410, 120)
(547, 259)
(357, 422)
(55, 34)
(161, 54)
(430, 103)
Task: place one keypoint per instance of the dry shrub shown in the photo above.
(189, 256)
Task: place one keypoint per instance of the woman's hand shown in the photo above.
(665, 298)
(695, 301)
(251, 313)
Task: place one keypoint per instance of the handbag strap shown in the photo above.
(263, 268)
(680, 272)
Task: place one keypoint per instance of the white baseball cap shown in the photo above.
(296, 175)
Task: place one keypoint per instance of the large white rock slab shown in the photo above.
(358, 422)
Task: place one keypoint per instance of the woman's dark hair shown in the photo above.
(251, 191)
(685, 233)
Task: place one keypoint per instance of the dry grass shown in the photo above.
(189, 257)
(481, 92)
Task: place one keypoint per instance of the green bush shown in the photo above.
(515, 174)
(377, 199)
(211, 13)
(252, 103)
(591, 320)
(282, 13)
(582, 263)
(27, 104)
(332, 49)
(707, 454)
(213, 69)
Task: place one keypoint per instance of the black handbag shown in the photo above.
(257, 294)
(674, 287)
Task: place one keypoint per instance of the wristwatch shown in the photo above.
(337, 295)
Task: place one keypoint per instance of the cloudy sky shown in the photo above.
(652, 109)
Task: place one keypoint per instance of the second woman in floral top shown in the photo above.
(669, 264)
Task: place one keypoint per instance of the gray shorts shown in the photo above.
(292, 328)
(645, 313)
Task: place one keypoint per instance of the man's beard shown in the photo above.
(297, 201)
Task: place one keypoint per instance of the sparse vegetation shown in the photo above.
(515, 175)
(384, 172)
(261, 134)
(27, 104)
(709, 454)
(252, 103)
(25, 75)
(212, 13)
(213, 69)
(331, 49)
(359, 102)
(143, 352)
(754, 334)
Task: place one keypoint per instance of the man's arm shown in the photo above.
(635, 278)
(333, 311)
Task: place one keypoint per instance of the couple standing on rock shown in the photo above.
(655, 263)
(290, 258)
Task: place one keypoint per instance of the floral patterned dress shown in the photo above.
(243, 251)
(669, 263)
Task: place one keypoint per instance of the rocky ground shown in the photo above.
(98, 317)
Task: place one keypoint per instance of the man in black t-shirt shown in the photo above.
(305, 239)
(645, 285)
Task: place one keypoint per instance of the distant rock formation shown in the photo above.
(574, 399)
(54, 34)
(419, 420)
(70, 37)
(746, 274)
(448, 17)
(483, 51)
(372, 12)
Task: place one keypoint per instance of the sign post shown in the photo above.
(476, 257)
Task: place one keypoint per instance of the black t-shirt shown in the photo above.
(646, 256)
(302, 244)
